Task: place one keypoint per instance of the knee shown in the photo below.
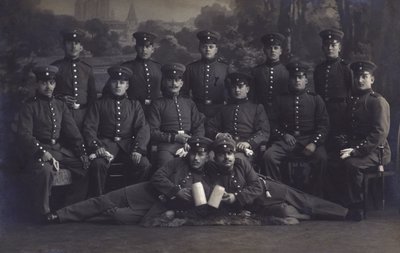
(99, 165)
(269, 155)
(43, 169)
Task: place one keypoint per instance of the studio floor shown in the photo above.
(379, 233)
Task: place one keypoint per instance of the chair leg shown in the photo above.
(383, 191)
(365, 196)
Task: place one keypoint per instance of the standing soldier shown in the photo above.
(117, 125)
(173, 119)
(75, 80)
(270, 78)
(41, 121)
(368, 115)
(245, 121)
(145, 83)
(205, 77)
(301, 127)
(332, 81)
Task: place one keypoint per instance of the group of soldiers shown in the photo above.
(181, 113)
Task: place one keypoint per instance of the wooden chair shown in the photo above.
(377, 173)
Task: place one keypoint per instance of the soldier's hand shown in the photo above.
(309, 149)
(181, 138)
(101, 152)
(242, 145)
(185, 194)
(70, 101)
(289, 139)
(345, 153)
(228, 198)
(85, 161)
(136, 157)
(46, 157)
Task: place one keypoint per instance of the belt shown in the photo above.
(115, 138)
(335, 100)
(299, 133)
(79, 106)
(48, 141)
(176, 132)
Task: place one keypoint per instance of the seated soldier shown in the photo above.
(367, 146)
(41, 122)
(300, 127)
(244, 190)
(169, 189)
(115, 127)
(245, 121)
(173, 119)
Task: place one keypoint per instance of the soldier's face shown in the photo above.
(225, 159)
(73, 49)
(144, 51)
(119, 87)
(46, 88)
(173, 85)
(331, 49)
(273, 52)
(208, 50)
(239, 91)
(298, 81)
(363, 81)
(197, 159)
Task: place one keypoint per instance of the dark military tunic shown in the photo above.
(270, 80)
(167, 116)
(304, 116)
(116, 123)
(333, 81)
(75, 78)
(145, 83)
(368, 115)
(244, 120)
(147, 199)
(41, 121)
(242, 181)
(205, 79)
(174, 176)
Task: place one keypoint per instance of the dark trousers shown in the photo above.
(126, 205)
(279, 193)
(99, 167)
(354, 167)
(166, 152)
(41, 174)
(279, 150)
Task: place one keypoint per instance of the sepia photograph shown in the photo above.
(199, 126)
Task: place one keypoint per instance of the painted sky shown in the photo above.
(167, 10)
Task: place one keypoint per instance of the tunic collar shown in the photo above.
(270, 63)
(43, 97)
(67, 58)
(209, 61)
(360, 93)
(238, 101)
